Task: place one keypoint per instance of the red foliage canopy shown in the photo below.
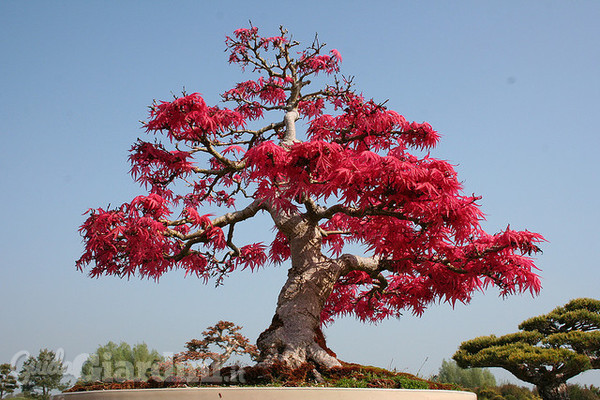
(352, 170)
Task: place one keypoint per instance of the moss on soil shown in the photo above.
(349, 375)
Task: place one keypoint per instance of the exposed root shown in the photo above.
(294, 349)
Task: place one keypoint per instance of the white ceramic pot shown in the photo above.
(268, 393)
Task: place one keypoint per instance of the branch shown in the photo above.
(374, 266)
(312, 208)
(208, 171)
(312, 95)
(241, 215)
(273, 126)
(235, 250)
(370, 265)
(239, 99)
(224, 220)
(234, 165)
(357, 212)
(325, 233)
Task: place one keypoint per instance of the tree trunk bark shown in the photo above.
(295, 336)
(553, 392)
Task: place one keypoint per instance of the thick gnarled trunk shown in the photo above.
(294, 336)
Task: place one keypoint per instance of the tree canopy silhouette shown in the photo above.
(349, 178)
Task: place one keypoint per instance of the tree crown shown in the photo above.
(8, 382)
(471, 378)
(120, 362)
(42, 374)
(350, 176)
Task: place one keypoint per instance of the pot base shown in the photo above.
(268, 393)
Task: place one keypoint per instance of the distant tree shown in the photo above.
(471, 378)
(42, 374)
(505, 392)
(549, 350)
(113, 362)
(513, 392)
(219, 343)
(8, 382)
(579, 392)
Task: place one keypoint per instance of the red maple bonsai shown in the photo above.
(348, 179)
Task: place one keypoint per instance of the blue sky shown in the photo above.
(512, 86)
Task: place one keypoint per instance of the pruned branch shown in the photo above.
(359, 213)
(222, 221)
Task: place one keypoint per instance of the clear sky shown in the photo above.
(513, 87)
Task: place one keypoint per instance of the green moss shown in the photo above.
(407, 383)
(349, 376)
(350, 383)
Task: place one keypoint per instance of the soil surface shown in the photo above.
(349, 375)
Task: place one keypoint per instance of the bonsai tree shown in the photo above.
(549, 350)
(113, 362)
(8, 382)
(42, 374)
(225, 338)
(348, 178)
